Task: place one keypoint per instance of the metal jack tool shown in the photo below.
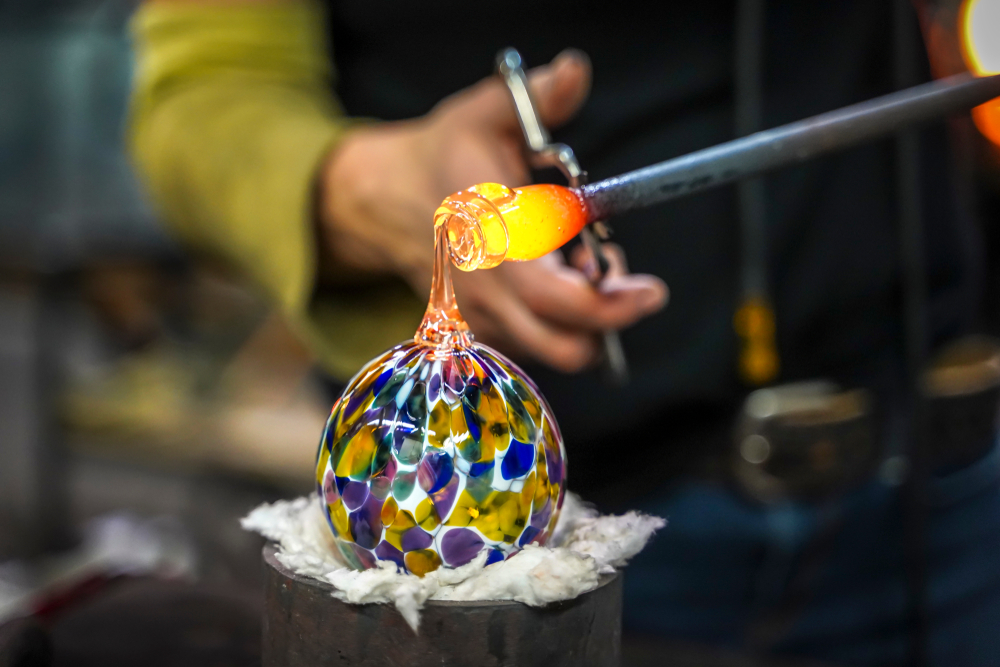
(544, 154)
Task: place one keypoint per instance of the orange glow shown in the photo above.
(541, 218)
(490, 223)
(979, 22)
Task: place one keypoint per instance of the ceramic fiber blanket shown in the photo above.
(583, 546)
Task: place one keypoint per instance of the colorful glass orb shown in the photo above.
(431, 457)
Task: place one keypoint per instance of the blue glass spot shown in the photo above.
(518, 460)
(495, 557)
(341, 484)
(381, 380)
(529, 534)
(472, 421)
(479, 469)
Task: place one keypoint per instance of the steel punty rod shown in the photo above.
(786, 145)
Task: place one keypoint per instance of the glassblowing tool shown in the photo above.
(546, 154)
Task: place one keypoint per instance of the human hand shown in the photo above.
(379, 189)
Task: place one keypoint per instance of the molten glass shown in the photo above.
(980, 22)
(442, 449)
(490, 223)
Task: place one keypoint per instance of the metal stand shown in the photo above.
(305, 626)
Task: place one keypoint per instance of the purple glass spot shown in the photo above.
(483, 365)
(415, 539)
(445, 498)
(460, 545)
(495, 557)
(355, 494)
(330, 492)
(390, 469)
(367, 558)
(435, 471)
(540, 519)
(553, 462)
(386, 551)
(499, 373)
(410, 355)
(358, 397)
(527, 536)
(366, 523)
(518, 460)
(433, 388)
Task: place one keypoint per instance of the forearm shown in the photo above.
(231, 119)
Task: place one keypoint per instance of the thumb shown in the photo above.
(560, 88)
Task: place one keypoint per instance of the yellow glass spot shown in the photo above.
(528, 493)
(356, 458)
(512, 519)
(394, 534)
(338, 516)
(422, 561)
(531, 404)
(492, 412)
(465, 510)
(439, 424)
(389, 509)
(541, 483)
(484, 516)
(426, 515)
(324, 456)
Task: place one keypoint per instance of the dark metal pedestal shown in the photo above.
(304, 625)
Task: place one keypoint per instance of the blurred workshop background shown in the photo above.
(147, 401)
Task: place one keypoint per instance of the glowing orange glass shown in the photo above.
(490, 223)
(980, 26)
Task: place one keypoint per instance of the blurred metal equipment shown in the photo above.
(786, 145)
(544, 154)
(804, 441)
(961, 391)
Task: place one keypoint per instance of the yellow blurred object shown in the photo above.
(980, 26)
(754, 324)
(231, 118)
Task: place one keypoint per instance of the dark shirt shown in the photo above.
(663, 86)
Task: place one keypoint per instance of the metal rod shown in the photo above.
(786, 145)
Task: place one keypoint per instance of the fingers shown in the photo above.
(564, 297)
(582, 259)
(503, 319)
(558, 90)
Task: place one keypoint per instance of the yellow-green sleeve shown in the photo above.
(231, 117)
